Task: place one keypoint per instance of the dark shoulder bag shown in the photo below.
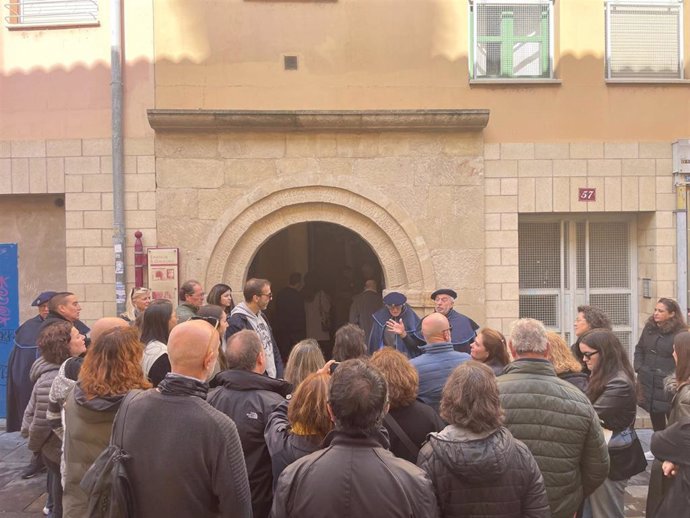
(400, 433)
(106, 482)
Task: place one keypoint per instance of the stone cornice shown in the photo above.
(318, 120)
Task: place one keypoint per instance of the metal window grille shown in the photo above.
(596, 257)
(511, 39)
(52, 12)
(644, 40)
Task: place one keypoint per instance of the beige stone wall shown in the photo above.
(36, 222)
(82, 170)
(544, 178)
(416, 198)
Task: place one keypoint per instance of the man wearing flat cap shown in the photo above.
(463, 329)
(390, 322)
(19, 385)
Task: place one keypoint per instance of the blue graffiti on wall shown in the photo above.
(9, 313)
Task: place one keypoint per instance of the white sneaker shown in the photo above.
(649, 456)
(46, 511)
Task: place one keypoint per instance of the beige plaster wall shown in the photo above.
(55, 82)
(416, 198)
(387, 54)
(36, 222)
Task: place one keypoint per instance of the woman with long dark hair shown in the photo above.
(489, 347)
(215, 315)
(221, 295)
(112, 367)
(159, 319)
(679, 386)
(611, 390)
(654, 359)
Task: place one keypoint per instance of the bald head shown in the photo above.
(106, 324)
(192, 346)
(370, 285)
(435, 328)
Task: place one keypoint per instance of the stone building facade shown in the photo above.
(451, 180)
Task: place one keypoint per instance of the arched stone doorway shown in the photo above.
(335, 256)
(263, 212)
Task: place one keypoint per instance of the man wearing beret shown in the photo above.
(463, 329)
(19, 385)
(390, 322)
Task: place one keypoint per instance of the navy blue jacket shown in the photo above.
(434, 367)
(462, 334)
(379, 319)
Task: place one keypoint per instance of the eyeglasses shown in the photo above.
(588, 355)
(269, 295)
(211, 320)
(394, 306)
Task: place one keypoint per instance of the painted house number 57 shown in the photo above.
(587, 194)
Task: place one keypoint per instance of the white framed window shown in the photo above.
(644, 39)
(40, 13)
(511, 39)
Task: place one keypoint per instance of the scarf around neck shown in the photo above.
(174, 385)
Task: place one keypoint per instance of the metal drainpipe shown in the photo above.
(118, 152)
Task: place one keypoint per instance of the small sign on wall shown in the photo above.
(587, 194)
(163, 273)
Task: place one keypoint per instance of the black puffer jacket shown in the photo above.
(354, 476)
(491, 475)
(653, 362)
(617, 410)
(249, 398)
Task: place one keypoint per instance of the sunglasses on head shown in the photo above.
(211, 320)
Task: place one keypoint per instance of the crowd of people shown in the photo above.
(398, 416)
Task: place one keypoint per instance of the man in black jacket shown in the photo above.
(248, 396)
(355, 475)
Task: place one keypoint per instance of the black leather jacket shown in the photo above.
(354, 475)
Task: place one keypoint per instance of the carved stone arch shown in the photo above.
(258, 215)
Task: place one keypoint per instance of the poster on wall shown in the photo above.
(163, 273)
(9, 312)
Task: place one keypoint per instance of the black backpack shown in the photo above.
(106, 482)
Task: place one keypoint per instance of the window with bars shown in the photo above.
(571, 262)
(644, 40)
(52, 12)
(511, 40)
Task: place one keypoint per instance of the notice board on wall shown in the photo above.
(163, 273)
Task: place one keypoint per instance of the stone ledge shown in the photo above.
(304, 121)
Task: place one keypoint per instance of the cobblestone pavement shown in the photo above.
(21, 498)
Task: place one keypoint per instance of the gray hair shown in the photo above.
(528, 336)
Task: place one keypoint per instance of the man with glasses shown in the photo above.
(249, 315)
(191, 299)
(438, 360)
(391, 323)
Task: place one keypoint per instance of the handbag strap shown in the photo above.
(404, 438)
(120, 423)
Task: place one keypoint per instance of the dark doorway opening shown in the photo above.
(338, 262)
